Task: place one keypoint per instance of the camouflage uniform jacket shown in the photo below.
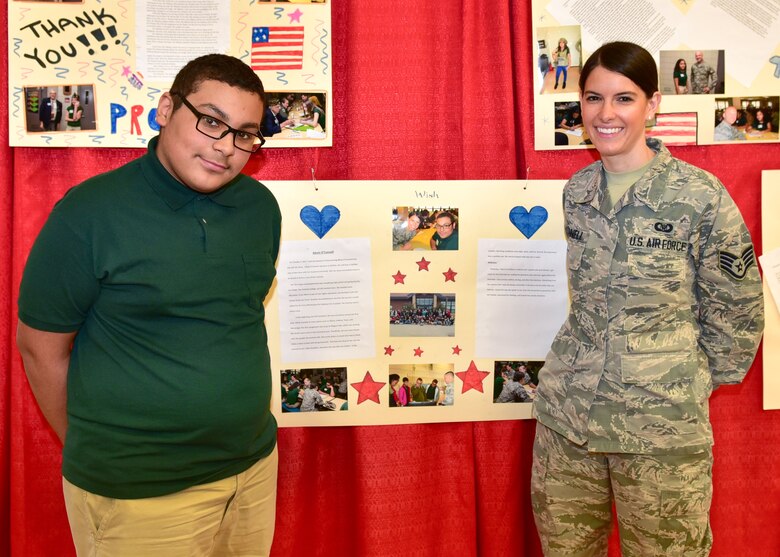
(666, 302)
(703, 75)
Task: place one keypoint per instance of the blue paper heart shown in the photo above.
(528, 222)
(320, 222)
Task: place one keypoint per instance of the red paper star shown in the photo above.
(449, 274)
(389, 350)
(472, 378)
(456, 350)
(422, 264)
(368, 389)
(399, 277)
(418, 352)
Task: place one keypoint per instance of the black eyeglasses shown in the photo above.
(217, 129)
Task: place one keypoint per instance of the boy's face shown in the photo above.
(444, 227)
(199, 162)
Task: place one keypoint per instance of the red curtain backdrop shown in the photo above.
(423, 89)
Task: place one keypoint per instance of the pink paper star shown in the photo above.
(389, 350)
(418, 352)
(399, 277)
(125, 71)
(368, 389)
(449, 274)
(296, 15)
(456, 350)
(422, 264)
(472, 378)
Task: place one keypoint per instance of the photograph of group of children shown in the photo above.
(680, 73)
(425, 228)
(422, 315)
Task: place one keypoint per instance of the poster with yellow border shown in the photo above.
(89, 73)
(770, 268)
(710, 55)
(457, 286)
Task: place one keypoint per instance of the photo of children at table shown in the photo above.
(291, 115)
(746, 118)
(314, 390)
(515, 381)
(424, 228)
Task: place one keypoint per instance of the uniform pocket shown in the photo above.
(656, 265)
(660, 356)
(658, 367)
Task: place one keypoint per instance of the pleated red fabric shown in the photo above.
(423, 90)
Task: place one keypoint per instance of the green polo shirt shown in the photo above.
(169, 381)
(448, 243)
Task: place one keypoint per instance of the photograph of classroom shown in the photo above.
(746, 118)
(314, 390)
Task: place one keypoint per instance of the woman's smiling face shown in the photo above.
(614, 112)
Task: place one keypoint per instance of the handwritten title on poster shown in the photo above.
(83, 73)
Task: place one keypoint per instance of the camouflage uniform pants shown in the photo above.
(662, 501)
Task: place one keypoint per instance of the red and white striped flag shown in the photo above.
(675, 128)
(277, 48)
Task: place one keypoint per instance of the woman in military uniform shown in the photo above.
(666, 305)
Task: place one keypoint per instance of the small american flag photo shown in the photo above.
(277, 48)
(677, 128)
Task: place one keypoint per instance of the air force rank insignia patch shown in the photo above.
(736, 266)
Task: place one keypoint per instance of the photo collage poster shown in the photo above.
(86, 73)
(413, 302)
(770, 269)
(718, 64)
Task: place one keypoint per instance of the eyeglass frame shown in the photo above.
(200, 116)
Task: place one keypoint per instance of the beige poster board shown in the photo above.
(350, 309)
(770, 267)
(738, 41)
(117, 58)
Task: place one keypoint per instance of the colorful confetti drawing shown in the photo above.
(277, 48)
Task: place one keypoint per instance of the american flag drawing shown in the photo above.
(677, 128)
(277, 48)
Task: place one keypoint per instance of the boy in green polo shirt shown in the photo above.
(141, 327)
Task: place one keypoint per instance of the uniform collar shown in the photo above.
(649, 189)
(175, 194)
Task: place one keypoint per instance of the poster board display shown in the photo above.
(117, 58)
(770, 268)
(362, 298)
(730, 53)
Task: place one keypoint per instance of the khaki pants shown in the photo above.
(662, 501)
(230, 517)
